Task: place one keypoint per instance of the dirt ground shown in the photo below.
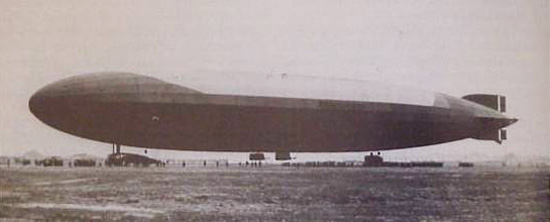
(274, 194)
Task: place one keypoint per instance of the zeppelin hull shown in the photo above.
(209, 127)
(133, 110)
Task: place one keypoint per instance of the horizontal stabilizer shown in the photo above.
(495, 102)
(496, 135)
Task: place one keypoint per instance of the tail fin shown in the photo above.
(498, 103)
(498, 135)
(495, 102)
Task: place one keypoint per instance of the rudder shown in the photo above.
(496, 102)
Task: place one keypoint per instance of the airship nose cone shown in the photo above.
(46, 104)
(40, 101)
(42, 93)
(36, 99)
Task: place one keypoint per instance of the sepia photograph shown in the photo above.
(275, 110)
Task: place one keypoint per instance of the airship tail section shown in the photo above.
(495, 102)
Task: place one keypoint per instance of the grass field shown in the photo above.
(274, 194)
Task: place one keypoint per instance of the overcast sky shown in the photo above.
(457, 47)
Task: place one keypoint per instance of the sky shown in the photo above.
(457, 47)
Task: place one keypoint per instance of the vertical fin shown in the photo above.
(503, 134)
(495, 102)
(502, 101)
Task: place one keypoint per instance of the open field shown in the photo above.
(274, 194)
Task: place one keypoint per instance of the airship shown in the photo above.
(126, 109)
